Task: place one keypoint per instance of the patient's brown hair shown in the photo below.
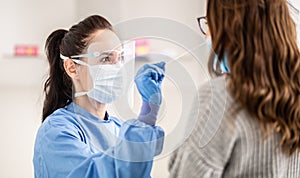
(259, 38)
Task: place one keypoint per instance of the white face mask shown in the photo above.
(108, 82)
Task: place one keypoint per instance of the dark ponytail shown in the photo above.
(58, 87)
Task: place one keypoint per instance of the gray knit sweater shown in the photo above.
(224, 144)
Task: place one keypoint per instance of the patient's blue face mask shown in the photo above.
(224, 63)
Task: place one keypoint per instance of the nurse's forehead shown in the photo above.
(104, 46)
(105, 36)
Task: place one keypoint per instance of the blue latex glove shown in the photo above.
(148, 81)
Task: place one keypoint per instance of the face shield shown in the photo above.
(111, 65)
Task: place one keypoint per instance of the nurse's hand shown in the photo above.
(148, 81)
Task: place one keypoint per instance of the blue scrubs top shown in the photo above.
(73, 143)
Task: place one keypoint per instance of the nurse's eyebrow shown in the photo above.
(110, 53)
(106, 53)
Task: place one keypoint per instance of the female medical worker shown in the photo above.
(77, 137)
(249, 120)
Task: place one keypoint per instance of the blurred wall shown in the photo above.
(30, 21)
(116, 11)
(21, 78)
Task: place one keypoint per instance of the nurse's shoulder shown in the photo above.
(61, 120)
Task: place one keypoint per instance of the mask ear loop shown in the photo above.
(78, 94)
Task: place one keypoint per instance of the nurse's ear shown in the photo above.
(70, 68)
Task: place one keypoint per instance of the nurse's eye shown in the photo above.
(105, 60)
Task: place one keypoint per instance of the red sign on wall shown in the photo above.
(141, 47)
(26, 50)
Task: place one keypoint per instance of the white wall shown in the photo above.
(182, 11)
(21, 78)
(30, 21)
(116, 11)
(110, 9)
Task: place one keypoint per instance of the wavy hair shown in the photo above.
(259, 38)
